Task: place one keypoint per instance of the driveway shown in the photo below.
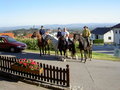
(93, 75)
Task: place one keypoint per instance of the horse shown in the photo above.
(58, 46)
(83, 46)
(42, 44)
(63, 46)
(54, 41)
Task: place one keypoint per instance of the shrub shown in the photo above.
(31, 43)
(98, 41)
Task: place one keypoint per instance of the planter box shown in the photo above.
(28, 70)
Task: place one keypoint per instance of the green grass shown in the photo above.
(97, 56)
(102, 56)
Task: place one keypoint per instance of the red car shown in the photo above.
(8, 43)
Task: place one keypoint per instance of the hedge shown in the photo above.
(97, 41)
(31, 43)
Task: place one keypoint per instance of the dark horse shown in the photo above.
(84, 47)
(63, 46)
(42, 44)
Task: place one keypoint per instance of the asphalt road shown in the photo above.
(93, 75)
(107, 49)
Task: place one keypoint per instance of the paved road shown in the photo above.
(107, 49)
(94, 75)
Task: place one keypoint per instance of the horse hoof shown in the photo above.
(64, 60)
(84, 62)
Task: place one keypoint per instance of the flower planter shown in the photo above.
(28, 70)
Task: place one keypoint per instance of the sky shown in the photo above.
(40, 12)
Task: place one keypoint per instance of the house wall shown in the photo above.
(109, 37)
(116, 35)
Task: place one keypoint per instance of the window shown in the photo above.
(1, 40)
(116, 31)
(109, 38)
(119, 31)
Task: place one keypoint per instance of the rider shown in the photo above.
(86, 34)
(65, 34)
(59, 33)
(42, 32)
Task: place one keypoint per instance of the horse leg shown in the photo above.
(43, 50)
(85, 55)
(60, 52)
(66, 53)
(90, 54)
(40, 50)
(48, 49)
(81, 52)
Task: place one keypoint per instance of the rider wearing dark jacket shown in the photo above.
(59, 34)
(42, 31)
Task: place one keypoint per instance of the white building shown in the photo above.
(104, 33)
(116, 30)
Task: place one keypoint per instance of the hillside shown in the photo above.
(23, 30)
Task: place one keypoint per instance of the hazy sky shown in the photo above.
(37, 12)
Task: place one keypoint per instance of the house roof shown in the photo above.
(7, 34)
(116, 26)
(100, 30)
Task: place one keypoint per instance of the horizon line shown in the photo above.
(59, 24)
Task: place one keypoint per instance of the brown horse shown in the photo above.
(83, 47)
(42, 44)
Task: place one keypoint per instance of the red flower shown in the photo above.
(33, 63)
(31, 60)
(25, 64)
(28, 63)
(20, 62)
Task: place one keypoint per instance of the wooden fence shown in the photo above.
(52, 75)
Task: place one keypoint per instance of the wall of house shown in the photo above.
(116, 35)
(109, 37)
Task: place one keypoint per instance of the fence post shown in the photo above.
(68, 75)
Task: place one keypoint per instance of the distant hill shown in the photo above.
(78, 26)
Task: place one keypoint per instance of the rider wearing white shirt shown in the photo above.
(65, 33)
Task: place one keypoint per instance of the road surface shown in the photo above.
(93, 75)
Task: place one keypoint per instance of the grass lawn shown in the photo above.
(97, 56)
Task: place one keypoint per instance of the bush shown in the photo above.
(98, 41)
(31, 43)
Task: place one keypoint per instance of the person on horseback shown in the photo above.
(65, 34)
(42, 32)
(59, 33)
(86, 34)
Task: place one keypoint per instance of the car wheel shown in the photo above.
(12, 49)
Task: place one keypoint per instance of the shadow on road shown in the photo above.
(30, 55)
